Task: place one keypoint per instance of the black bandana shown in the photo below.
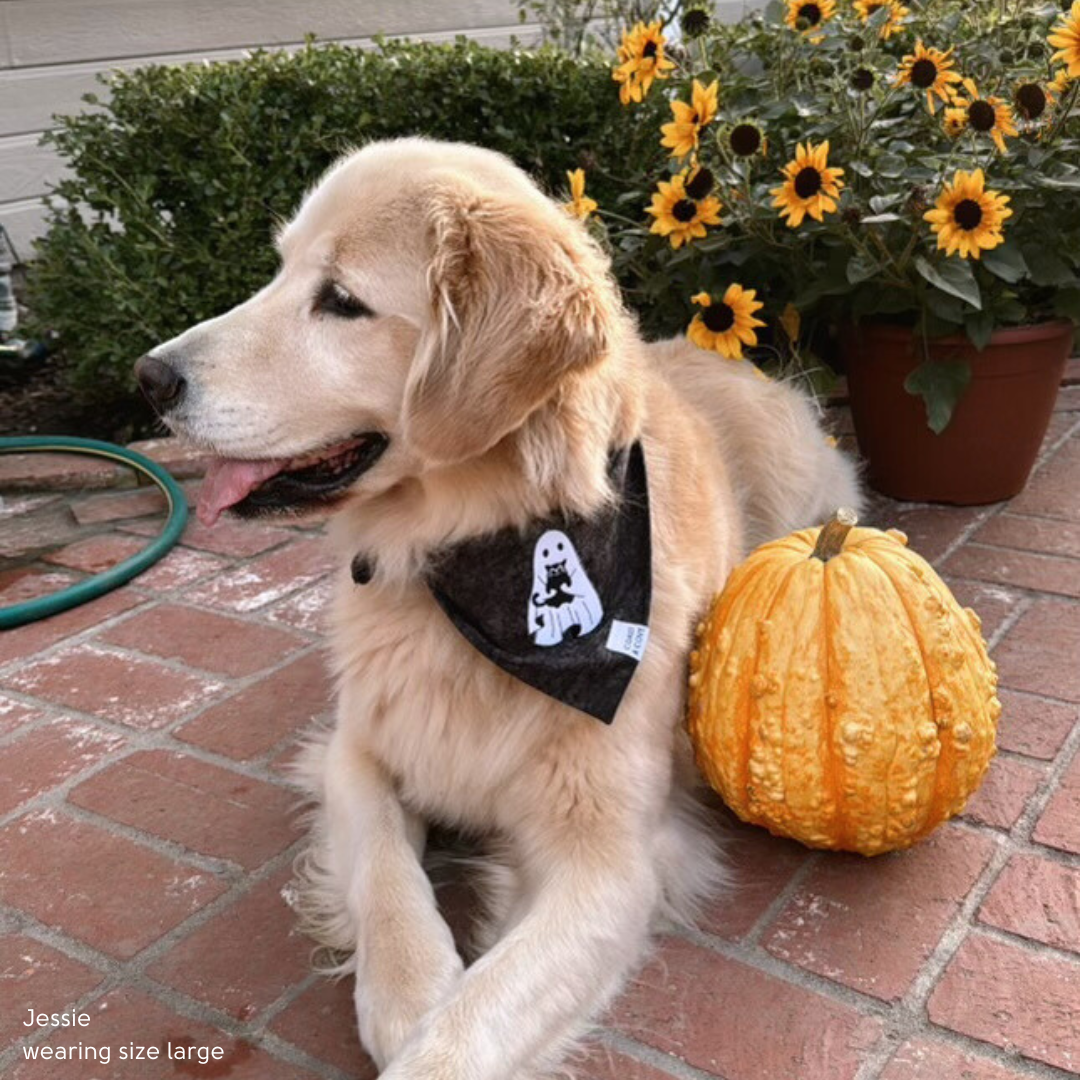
(562, 605)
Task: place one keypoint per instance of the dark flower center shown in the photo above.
(649, 50)
(745, 140)
(982, 116)
(684, 210)
(695, 22)
(808, 182)
(968, 214)
(1031, 98)
(856, 43)
(863, 79)
(700, 184)
(718, 318)
(924, 74)
(811, 13)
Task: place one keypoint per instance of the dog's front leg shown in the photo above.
(585, 929)
(406, 961)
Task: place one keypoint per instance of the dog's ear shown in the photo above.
(519, 299)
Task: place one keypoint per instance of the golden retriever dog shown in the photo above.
(444, 356)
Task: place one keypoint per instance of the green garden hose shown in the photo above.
(115, 576)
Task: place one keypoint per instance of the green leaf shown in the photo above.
(1067, 303)
(980, 328)
(941, 384)
(861, 268)
(953, 276)
(1006, 262)
(949, 309)
(1047, 268)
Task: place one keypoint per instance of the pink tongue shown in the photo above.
(228, 482)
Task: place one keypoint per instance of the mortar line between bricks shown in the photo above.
(55, 798)
(908, 1016)
(1038, 802)
(71, 639)
(763, 961)
(1032, 948)
(135, 743)
(231, 688)
(982, 545)
(1022, 846)
(258, 617)
(160, 739)
(1023, 606)
(1036, 1070)
(651, 1056)
(967, 532)
(781, 900)
(136, 965)
(1047, 453)
(125, 976)
(915, 1004)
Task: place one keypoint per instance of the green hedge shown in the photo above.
(177, 181)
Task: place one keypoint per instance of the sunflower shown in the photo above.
(580, 205)
(1032, 100)
(1066, 39)
(744, 139)
(696, 20)
(955, 122)
(726, 325)
(991, 116)
(807, 16)
(682, 134)
(897, 13)
(683, 207)
(929, 70)
(810, 187)
(641, 59)
(968, 218)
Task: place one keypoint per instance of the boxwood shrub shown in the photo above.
(176, 181)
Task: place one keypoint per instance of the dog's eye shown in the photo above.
(334, 299)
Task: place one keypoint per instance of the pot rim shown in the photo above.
(1010, 335)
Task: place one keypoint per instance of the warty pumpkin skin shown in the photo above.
(843, 698)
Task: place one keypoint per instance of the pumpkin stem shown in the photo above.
(833, 533)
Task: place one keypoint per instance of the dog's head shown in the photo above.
(430, 300)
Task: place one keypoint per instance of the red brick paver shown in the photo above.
(1059, 826)
(871, 925)
(1037, 899)
(690, 1001)
(244, 958)
(33, 975)
(147, 827)
(125, 689)
(923, 1059)
(1011, 997)
(208, 809)
(205, 640)
(130, 1019)
(95, 886)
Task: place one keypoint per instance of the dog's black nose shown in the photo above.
(162, 384)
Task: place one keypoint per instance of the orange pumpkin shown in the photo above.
(839, 695)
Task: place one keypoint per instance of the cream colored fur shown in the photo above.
(503, 367)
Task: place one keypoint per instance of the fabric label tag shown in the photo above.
(628, 638)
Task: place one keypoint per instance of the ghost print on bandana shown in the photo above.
(563, 604)
(563, 601)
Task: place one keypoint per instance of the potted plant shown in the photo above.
(904, 177)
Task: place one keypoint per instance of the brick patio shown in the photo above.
(146, 836)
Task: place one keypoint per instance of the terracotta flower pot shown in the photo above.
(988, 450)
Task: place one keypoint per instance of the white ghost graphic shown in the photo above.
(563, 602)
